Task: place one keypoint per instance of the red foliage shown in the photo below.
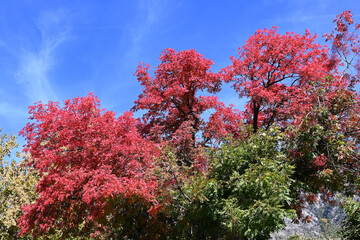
(171, 96)
(85, 157)
(273, 70)
(346, 44)
(172, 102)
(223, 122)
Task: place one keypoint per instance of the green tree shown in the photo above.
(253, 180)
(245, 194)
(351, 224)
(17, 187)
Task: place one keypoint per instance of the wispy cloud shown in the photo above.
(149, 13)
(35, 65)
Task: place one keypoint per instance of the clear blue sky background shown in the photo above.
(56, 50)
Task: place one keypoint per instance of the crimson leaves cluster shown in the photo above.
(85, 156)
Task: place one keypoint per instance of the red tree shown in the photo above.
(273, 70)
(90, 163)
(171, 101)
(345, 41)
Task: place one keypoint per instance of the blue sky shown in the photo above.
(56, 50)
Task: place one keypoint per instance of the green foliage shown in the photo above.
(351, 224)
(323, 144)
(253, 178)
(188, 212)
(245, 194)
(17, 187)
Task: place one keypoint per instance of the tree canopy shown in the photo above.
(162, 177)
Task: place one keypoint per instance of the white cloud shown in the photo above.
(149, 13)
(35, 65)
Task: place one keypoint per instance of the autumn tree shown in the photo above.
(272, 70)
(345, 48)
(171, 101)
(92, 167)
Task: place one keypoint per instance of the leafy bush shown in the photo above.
(351, 224)
(245, 194)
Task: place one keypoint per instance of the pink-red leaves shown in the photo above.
(171, 99)
(171, 96)
(345, 41)
(273, 70)
(85, 156)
